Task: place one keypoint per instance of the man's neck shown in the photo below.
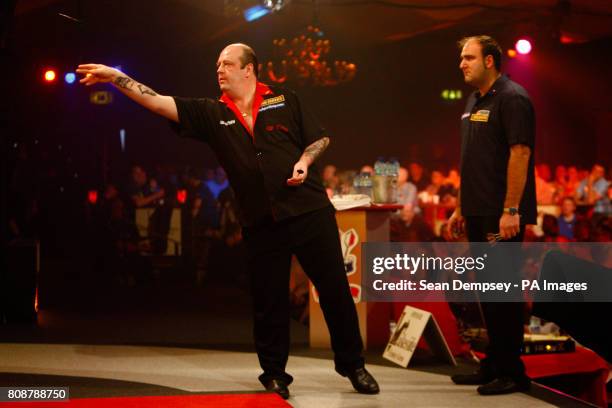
(244, 98)
(484, 88)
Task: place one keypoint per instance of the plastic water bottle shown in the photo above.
(393, 174)
(379, 167)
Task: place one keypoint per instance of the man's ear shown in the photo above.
(489, 62)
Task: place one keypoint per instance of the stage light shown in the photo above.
(255, 12)
(181, 196)
(512, 53)
(451, 94)
(50, 75)
(92, 196)
(70, 78)
(523, 46)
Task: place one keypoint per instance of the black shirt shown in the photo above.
(259, 164)
(490, 125)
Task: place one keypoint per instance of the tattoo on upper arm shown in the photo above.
(316, 148)
(124, 82)
(145, 90)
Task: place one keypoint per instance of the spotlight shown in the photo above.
(512, 53)
(92, 196)
(255, 12)
(70, 78)
(523, 46)
(181, 196)
(49, 75)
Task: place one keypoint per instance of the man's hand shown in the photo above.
(300, 171)
(95, 73)
(509, 225)
(456, 225)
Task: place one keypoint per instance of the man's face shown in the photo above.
(229, 74)
(472, 63)
(568, 207)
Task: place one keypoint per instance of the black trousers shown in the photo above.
(504, 320)
(313, 238)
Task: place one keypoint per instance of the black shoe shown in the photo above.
(504, 385)
(362, 380)
(279, 387)
(476, 378)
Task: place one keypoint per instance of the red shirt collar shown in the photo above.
(261, 89)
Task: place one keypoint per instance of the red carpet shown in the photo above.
(262, 400)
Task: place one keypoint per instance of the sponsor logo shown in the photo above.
(349, 240)
(273, 101)
(228, 122)
(278, 105)
(480, 116)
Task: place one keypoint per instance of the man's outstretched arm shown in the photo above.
(141, 94)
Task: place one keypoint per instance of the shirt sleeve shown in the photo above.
(195, 117)
(518, 120)
(311, 128)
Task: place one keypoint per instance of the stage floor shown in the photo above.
(175, 339)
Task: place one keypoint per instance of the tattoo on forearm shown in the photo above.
(124, 82)
(145, 90)
(316, 148)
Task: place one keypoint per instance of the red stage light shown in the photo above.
(50, 75)
(523, 46)
(181, 196)
(92, 196)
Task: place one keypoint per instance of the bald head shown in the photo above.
(247, 56)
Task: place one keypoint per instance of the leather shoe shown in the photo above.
(476, 378)
(504, 385)
(362, 380)
(278, 387)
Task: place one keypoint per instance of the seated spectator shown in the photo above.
(330, 180)
(406, 191)
(593, 190)
(572, 181)
(551, 229)
(139, 190)
(430, 194)
(219, 183)
(417, 176)
(567, 219)
(544, 189)
(560, 184)
(410, 227)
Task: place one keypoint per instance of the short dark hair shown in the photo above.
(489, 47)
(249, 57)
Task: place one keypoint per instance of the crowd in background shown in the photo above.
(52, 203)
(575, 205)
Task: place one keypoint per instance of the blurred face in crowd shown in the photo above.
(572, 173)
(416, 170)
(367, 169)
(232, 77)
(329, 172)
(544, 171)
(475, 67)
(568, 207)
(220, 175)
(437, 178)
(560, 173)
(402, 176)
(597, 172)
(139, 176)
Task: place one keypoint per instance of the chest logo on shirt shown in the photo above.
(480, 116)
(272, 103)
(227, 122)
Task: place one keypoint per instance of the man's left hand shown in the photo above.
(509, 225)
(300, 171)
